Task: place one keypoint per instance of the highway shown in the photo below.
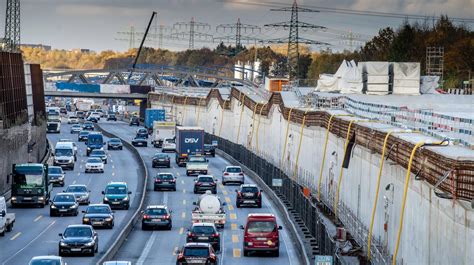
(35, 233)
(157, 247)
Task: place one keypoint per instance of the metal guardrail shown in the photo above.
(120, 239)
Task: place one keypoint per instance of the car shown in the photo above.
(134, 121)
(111, 117)
(210, 150)
(139, 141)
(63, 110)
(72, 120)
(80, 191)
(117, 195)
(56, 175)
(161, 160)
(164, 181)
(118, 262)
(47, 260)
(114, 144)
(203, 183)
(261, 234)
(98, 215)
(157, 216)
(169, 145)
(94, 164)
(93, 118)
(196, 253)
(100, 112)
(80, 114)
(64, 204)
(74, 146)
(142, 133)
(100, 154)
(206, 233)
(76, 128)
(248, 194)
(83, 135)
(79, 239)
(88, 126)
(233, 174)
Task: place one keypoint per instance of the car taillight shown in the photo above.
(212, 256)
(166, 216)
(226, 174)
(215, 235)
(173, 181)
(157, 180)
(241, 173)
(146, 216)
(180, 257)
(239, 194)
(190, 234)
(259, 194)
(198, 183)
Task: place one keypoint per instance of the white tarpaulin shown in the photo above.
(429, 84)
(406, 70)
(374, 68)
(347, 79)
(115, 89)
(327, 83)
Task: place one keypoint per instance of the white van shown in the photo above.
(64, 155)
(6, 219)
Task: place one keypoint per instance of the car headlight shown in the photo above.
(108, 219)
(61, 178)
(89, 244)
(106, 199)
(125, 199)
(53, 206)
(85, 220)
(63, 244)
(74, 206)
(88, 148)
(13, 198)
(41, 198)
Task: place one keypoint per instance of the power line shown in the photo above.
(195, 31)
(238, 28)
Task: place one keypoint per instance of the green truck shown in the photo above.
(30, 185)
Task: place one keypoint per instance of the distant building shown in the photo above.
(81, 50)
(41, 46)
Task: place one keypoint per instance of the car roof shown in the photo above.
(77, 185)
(203, 224)
(54, 167)
(65, 193)
(98, 204)
(46, 257)
(232, 166)
(79, 226)
(193, 244)
(205, 176)
(248, 186)
(157, 207)
(117, 262)
(117, 183)
(260, 216)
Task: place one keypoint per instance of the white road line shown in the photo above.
(146, 250)
(29, 243)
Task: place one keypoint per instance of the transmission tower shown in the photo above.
(129, 36)
(12, 26)
(293, 40)
(195, 31)
(237, 28)
(156, 39)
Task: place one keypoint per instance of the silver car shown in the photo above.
(233, 174)
(80, 192)
(41, 260)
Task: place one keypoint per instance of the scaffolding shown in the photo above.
(435, 61)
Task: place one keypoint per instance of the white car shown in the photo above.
(233, 174)
(168, 145)
(47, 260)
(94, 164)
(72, 120)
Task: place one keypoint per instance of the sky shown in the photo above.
(93, 24)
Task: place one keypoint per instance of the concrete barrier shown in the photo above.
(112, 251)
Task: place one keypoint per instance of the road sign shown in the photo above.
(277, 182)
(323, 260)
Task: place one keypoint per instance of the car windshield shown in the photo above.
(78, 232)
(197, 159)
(95, 140)
(55, 170)
(203, 230)
(206, 179)
(142, 131)
(64, 198)
(98, 152)
(261, 227)
(208, 146)
(234, 169)
(88, 124)
(73, 117)
(161, 156)
(156, 211)
(169, 141)
(165, 176)
(196, 252)
(114, 140)
(76, 189)
(249, 189)
(76, 126)
(63, 152)
(116, 190)
(84, 133)
(94, 160)
(98, 209)
(46, 261)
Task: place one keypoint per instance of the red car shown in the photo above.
(261, 234)
(196, 253)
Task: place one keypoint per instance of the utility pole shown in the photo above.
(238, 28)
(12, 26)
(155, 39)
(294, 39)
(195, 31)
(129, 37)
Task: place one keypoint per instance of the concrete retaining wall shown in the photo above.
(436, 231)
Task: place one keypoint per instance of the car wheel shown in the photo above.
(276, 253)
(51, 214)
(4, 230)
(223, 183)
(246, 253)
(174, 189)
(127, 207)
(97, 249)
(105, 161)
(144, 228)
(195, 191)
(76, 213)
(170, 226)
(60, 253)
(108, 148)
(237, 204)
(214, 192)
(121, 148)
(62, 184)
(259, 205)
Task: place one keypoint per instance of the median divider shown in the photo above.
(287, 222)
(120, 239)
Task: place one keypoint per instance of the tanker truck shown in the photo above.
(209, 209)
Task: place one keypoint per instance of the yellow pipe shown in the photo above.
(377, 189)
(299, 145)
(258, 126)
(336, 199)
(199, 111)
(325, 149)
(184, 110)
(253, 125)
(222, 118)
(240, 120)
(286, 137)
(405, 191)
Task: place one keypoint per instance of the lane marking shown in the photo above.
(146, 250)
(174, 251)
(233, 226)
(15, 236)
(38, 218)
(231, 208)
(184, 190)
(235, 238)
(74, 182)
(184, 201)
(113, 167)
(236, 253)
(183, 215)
(182, 181)
(80, 166)
(227, 199)
(224, 192)
(233, 216)
(177, 173)
(113, 174)
(181, 230)
(29, 243)
(78, 173)
(111, 161)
